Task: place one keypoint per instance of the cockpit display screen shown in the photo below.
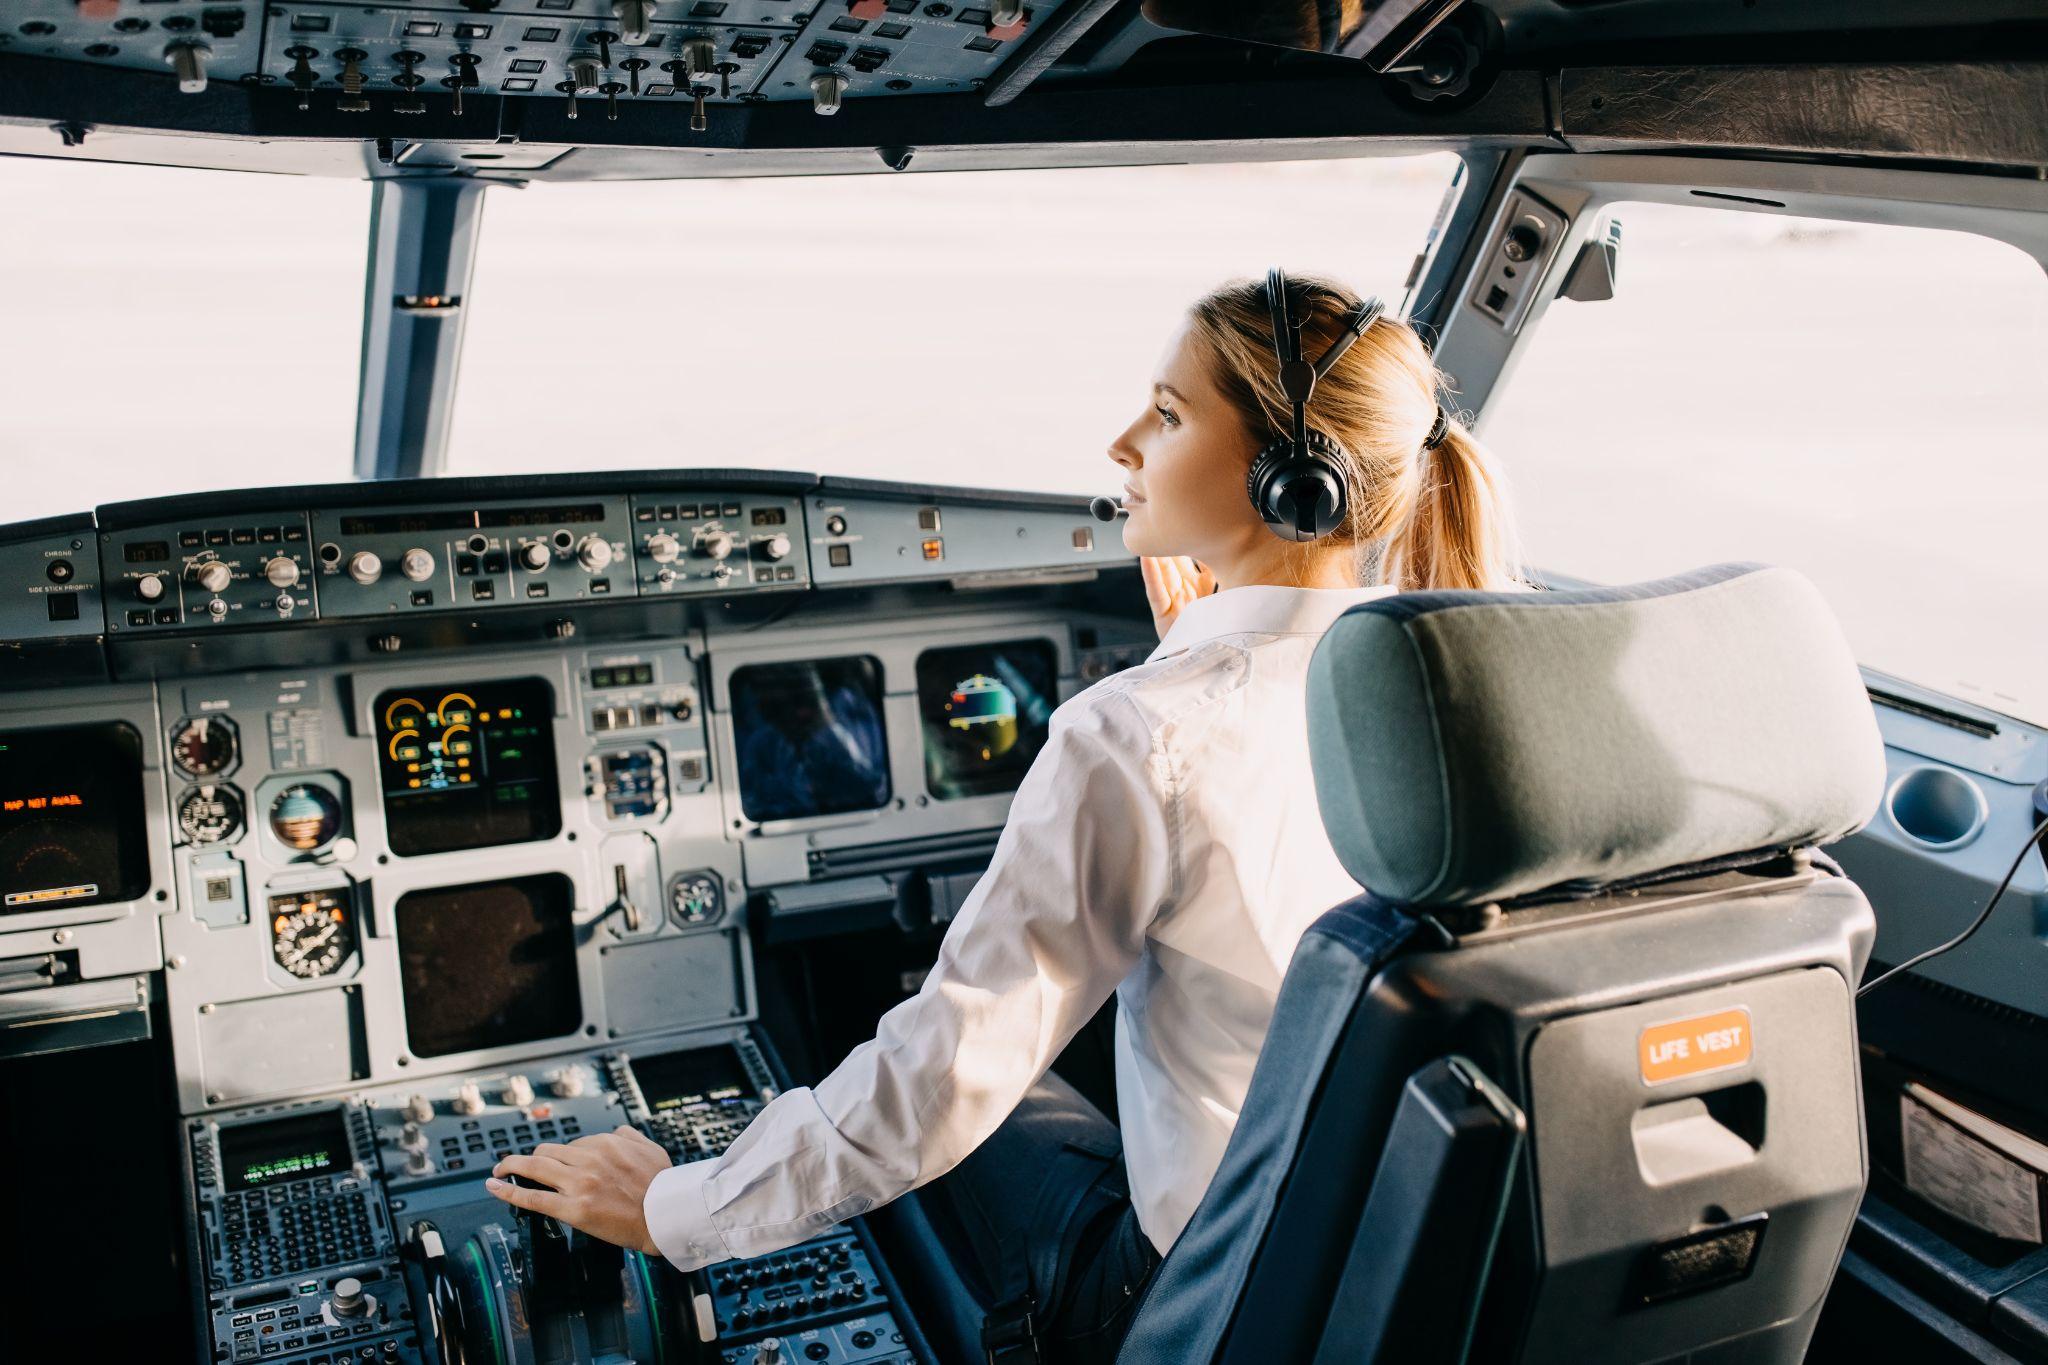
(986, 709)
(289, 1148)
(71, 821)
(488, 965)
(810, 738)
(702, 1075)
(468, 767)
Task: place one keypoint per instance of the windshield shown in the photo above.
(995, 329)
(174, 330)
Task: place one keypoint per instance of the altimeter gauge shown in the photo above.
(311, 934)
(204, 746)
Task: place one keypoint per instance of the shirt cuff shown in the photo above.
(679, 1217)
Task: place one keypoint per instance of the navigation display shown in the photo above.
(810, 738)
(678, 1080)
(985, 710)
(468, 767)
(71, 823)
(253, 1154)
(488, 965)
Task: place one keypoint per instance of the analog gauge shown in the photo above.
(204, 746)
(210, 814)
(695, 898)
(310, 932)
(305, 816)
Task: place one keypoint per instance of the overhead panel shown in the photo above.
(599, 55)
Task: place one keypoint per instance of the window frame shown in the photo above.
(1481, 357)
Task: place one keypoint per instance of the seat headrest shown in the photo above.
(1474, 746)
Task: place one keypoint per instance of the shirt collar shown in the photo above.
(1260, 609)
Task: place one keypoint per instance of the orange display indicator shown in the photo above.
(1691, 1047)
(60, 800)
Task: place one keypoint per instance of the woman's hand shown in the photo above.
(596, 1184)
(1171, 584)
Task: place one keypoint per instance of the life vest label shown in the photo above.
(1688, 1047)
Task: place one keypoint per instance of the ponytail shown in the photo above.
(1457, 535)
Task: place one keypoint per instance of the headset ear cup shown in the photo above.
(1301, 495)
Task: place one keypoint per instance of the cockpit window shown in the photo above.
(994, 329)
(1862, 403)
(170, 331)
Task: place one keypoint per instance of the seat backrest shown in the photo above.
(1584, 819)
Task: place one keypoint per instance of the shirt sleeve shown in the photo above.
(1083, 866)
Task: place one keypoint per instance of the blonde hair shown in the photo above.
(1419, 518)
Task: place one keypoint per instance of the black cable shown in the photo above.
(1975, 924)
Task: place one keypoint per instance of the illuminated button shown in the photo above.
(839, 556)
(63, 606)
(483, 590)
(934, 548)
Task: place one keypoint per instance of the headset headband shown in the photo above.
(1297, 376)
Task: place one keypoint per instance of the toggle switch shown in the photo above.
(611, 90)
(633, 66)
(352, 100)
(302, 75)
(188, 59)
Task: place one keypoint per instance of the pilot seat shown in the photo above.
(1576, 1079)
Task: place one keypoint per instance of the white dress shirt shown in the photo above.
(1165, 845)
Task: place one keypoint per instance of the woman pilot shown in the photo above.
(1165, 846)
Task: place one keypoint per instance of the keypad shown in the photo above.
(289, 1229)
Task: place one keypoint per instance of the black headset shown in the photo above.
(1298, 483)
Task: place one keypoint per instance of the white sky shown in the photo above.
(1864, 404)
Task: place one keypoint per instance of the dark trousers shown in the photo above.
(1044, 1208)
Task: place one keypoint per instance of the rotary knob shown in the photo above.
(150, 587)
(281, 572)
(412, 1138)
(663, 548)
(717, 544)
(349, 1300)
(364, 567)
(828, 88)
(419, 1163)
(768, 1351)
(519, 1092)
(593, 552)
(566, 1083)
(534, 555)
(469, 1099)
(213, 575)
(416, 564)
(776, 546)
(420, 1109)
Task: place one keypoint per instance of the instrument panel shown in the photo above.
(421, 874)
